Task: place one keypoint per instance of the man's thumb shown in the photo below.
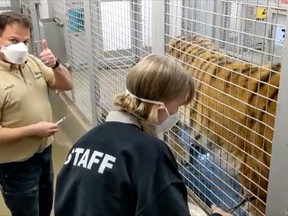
(44, 45)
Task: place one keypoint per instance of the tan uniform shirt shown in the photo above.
(24, 100)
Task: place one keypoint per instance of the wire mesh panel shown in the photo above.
(71, 14)
(5, 3)
(59, 12)
(120, 35)
(119, 32)
(232, 48)
(223, 142)
(76, 40)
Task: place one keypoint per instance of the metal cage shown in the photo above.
(223, 141)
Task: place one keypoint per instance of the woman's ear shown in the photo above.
(161, 109)
(162, 113)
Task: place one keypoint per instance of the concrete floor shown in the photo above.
(60, 149)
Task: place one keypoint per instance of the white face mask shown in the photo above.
(165, 125)
(168, 123)
(15, 53)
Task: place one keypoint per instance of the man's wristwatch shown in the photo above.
(56, 64)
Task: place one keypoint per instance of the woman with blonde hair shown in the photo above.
(121, 167)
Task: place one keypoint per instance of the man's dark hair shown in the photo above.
(9, 18)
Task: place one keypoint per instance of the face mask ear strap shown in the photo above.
(143, 99)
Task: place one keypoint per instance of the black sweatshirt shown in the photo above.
(118, 170)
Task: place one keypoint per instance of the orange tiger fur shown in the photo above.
(233, 99)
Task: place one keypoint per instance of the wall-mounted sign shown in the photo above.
(280, 35)
(261, 13)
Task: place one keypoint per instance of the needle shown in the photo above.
(62, 119)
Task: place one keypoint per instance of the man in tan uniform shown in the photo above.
(26, 128)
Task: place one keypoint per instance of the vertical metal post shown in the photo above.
(158, 26)
(35, 17)
(88, 38)
(268, 34)
(277, 200)
(239, 27)
(136, 28)
(98, 55)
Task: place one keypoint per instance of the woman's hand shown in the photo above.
(215, 209)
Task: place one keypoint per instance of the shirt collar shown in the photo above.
(6, 66)
(123, 117)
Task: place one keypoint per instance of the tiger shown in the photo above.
(235, 103)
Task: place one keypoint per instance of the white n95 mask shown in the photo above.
(168, 123)
(165, 125)
(15, 53)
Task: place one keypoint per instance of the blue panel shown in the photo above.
(208, 180)
(76, 20)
